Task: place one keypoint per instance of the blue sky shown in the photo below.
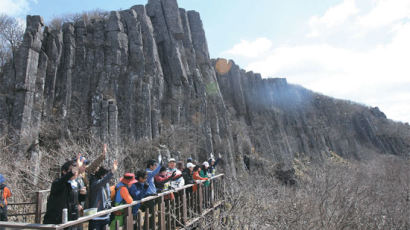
(350, 49)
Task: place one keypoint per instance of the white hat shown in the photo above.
(171, 160)
(206, 164)
(190, 165)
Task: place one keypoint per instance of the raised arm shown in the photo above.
(154, 173)
(97, 162)
(107, 178)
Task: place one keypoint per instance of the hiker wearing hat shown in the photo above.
(189, 160)
(187, 174)
(212, 164)
(65, 194)
(204, 172)
(196, 174)
(177, 180)
(122, 196)
(4, 194)
(100, 195)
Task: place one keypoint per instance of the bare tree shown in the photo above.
(11, 35)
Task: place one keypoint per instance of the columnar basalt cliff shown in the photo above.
(143, 70)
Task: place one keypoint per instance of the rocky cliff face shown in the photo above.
(147, 69)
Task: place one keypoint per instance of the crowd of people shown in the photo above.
(86, 185)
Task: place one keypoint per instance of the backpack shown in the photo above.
(113, 196)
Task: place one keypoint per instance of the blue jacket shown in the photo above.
(137, 192)
(150, 179)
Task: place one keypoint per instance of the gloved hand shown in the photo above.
(146, 186)
(159, 159)
(173, 174)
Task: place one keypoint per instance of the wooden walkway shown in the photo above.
(183, 212)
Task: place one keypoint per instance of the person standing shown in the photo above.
(187, 174)
(212, 164)
(122, 196)
(152, 170)
(4, 194)
(65, 194)
(204, 172)
(162, 180)
(177, 180)
(100, 195)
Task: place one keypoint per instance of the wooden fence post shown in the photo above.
(184, 207)
(212, 193)
(161, 216)
(129, 219)
(39, 207)
(200, 199)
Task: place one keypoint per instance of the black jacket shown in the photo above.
(62, 196)
(188, 176)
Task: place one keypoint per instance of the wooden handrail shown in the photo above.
(199, 207)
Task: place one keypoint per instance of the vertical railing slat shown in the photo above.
(184, 207)
(146, 219)
(200, 198)
(129, 219)
(39, 207)
(161, 216)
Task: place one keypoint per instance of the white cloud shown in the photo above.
(386, 12)
(15, 7)
(377, 75)
(334, 16)
(251, 49)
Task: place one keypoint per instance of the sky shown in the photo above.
(357, 50)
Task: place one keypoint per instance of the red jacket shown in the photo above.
(197, 177)
(160, 181)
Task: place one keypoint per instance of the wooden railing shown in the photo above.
(36, 208)
(191, 203)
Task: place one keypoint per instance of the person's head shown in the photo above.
(141, 176)
(205, 165)
(128, 179)
(171, 163)
(151, 164)
(197, 168)
(84, 166)
(2, 179)
(190, 166)
(163, 171)
(211, 161)
(180, 166)
(101, 172)
(68, 167)
(189, 160)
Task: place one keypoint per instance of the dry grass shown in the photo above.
(366, 195)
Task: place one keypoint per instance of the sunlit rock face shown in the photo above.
(137, 72)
